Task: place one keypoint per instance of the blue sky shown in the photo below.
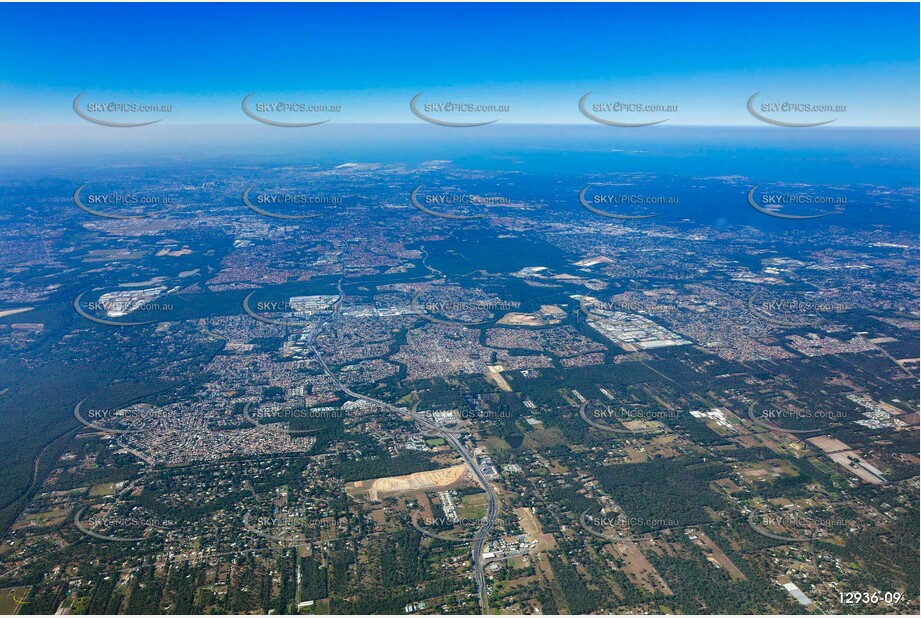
(538, 59)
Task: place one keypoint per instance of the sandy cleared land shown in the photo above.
(720, 556)
(829, 445)
(548, 314)
(431, 480)
(520, 319)
(495, 374)
(638, 568)
(851, 460)
(595, 260)
(840, 453)
(552, 311)
(531, 526)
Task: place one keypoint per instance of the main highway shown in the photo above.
(492, 510)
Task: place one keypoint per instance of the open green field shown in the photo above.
(12, 600)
